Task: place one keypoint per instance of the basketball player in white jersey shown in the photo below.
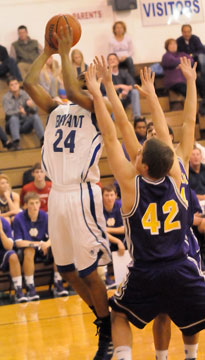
(162, 323)
(70, 155)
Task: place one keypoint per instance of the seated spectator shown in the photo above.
(202, 148)
(197, 174)
(8, 66)
(173, 77)
(121, 44)
(52, 81)
(9, 260)
(114, 223)
(49, 76)
(21, 114)
(39, 185)
(9, 200)
(78, 61)
(192, 45)
(31, 234)
(140, 127)
(4, 139)
(124, 84)
(24, 50)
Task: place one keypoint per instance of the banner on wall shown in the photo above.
(162, 12)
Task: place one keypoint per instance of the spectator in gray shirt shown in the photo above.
(21, 114)
(25, 50)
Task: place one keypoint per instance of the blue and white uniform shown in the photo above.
(70, 155)
(162, 277)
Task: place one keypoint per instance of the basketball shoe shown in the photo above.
(31, 293)
(59, 290)
(19, 296)
(105, 346)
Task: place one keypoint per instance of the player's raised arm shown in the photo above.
(71, 83)
(128, 134)
(160, 124)
(122, 169)
(32, 86)
(185, 146)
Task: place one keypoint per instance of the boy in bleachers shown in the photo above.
(114, 224)
(31, 234)
(38, 185)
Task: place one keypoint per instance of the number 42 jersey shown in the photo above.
(155, 228)
(72, 146)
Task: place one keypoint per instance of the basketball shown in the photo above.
(54, 25)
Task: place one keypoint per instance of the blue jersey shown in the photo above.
(156, 226)
(25, 229)
(113, 219)
(190, 197)
(7, 230)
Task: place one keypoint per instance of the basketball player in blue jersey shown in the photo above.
(162, 324)
(70, 156)
(156, 219)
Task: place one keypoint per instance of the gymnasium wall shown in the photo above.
(96, 17)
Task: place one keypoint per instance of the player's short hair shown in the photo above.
(36, 166)
(109, 188)
(22, 27)
(121, 23)
(31, 195)
(184, 25)
(158, 156)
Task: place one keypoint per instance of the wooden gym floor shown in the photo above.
(62, 329)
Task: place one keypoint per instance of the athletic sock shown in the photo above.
(29, 280)
(123, 353)
(161, 354)
(57, 277)
(17, 281)
(190, 351)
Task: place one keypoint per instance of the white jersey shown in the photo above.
(72, 146)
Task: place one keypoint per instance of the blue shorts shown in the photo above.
(177, 289)
(4, 259)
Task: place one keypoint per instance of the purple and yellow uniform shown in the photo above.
(5, 254)
(162, 277)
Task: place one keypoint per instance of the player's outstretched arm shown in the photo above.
(147, 89)
(32, 86)
(71, 83)
(122, 169)
(128, 134)
(189, 113)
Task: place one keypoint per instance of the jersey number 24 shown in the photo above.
(68, 143)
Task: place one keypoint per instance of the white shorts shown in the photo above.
(77, 227)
